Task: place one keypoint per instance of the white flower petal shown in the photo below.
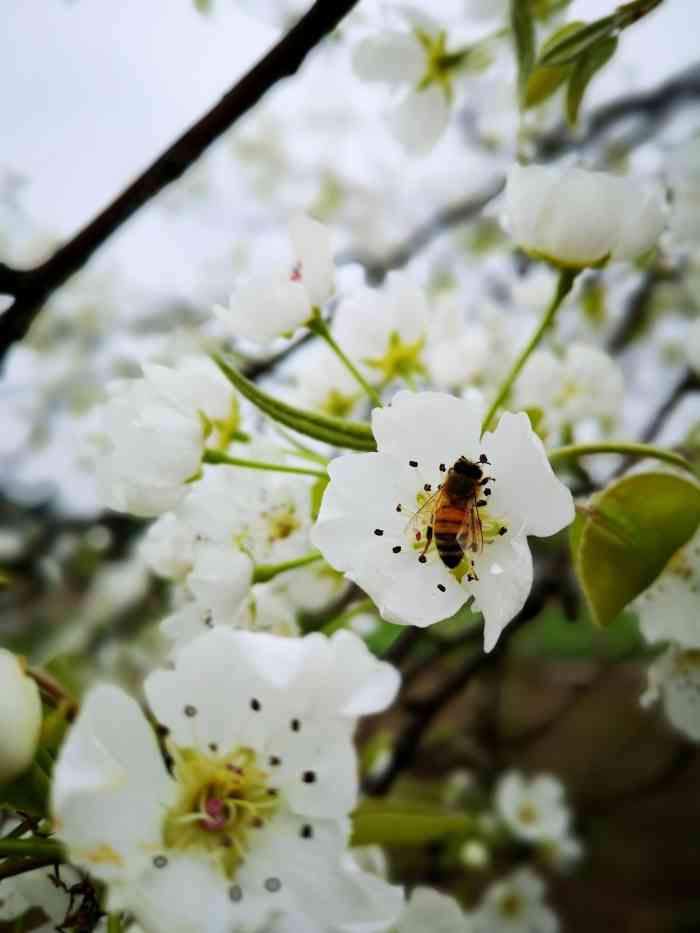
(393, 57)
(20, 717)
(526, 486)
(505, 580)
(312, 247)
(443, 429)
(110, 786)
(429, 910)
(421, 119)
(316, 889)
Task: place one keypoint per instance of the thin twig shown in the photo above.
(31, 288)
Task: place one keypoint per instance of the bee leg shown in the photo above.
(428, 539)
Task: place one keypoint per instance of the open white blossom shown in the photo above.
(411, 60)
(669, 610)
(377, 512)
(280, 296)
(576, 218)
(674, 678)
(534, 810)
(584, 383)
(385, 328)
(153, 431)
(168, 547)
(251, 821)
(20, 717)
(515, 905)
(429, 910)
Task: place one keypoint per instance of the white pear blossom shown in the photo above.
(385, 328)
(584, 383)
(515, 905)
(373, 523)
(669, 610)
(429, 910)
(674, 678)
(153, 431)
(262, 610)
(534, 810)
(576, 218)
(412, 60)
(280, 295)
(220, 577)
(250, 823)
(167, 548)
(20, 717)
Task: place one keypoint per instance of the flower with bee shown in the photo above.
(440, 515)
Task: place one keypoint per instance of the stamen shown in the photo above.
(273, 885)
(396, 549)
(413, 463)
(378, 532)
(190, 711)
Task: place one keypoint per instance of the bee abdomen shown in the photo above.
(448, 547)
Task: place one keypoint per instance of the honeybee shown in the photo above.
(450, 517)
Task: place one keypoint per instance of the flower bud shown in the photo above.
(575, 218)
(20, 717)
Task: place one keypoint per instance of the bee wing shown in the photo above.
(421, 519)
(470, 535)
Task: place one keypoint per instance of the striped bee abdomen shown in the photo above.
(448, 522)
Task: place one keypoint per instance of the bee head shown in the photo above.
(468, 468)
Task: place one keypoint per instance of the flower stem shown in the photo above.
(319, 327)
(574, 451)
(36, 848)
(218, 456)
(564, 286)
(265, 572)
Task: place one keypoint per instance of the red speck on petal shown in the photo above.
(295, 275)
(418, 536)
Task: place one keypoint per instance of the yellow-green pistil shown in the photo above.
(222, 798)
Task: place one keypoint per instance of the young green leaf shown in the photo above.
(631, 531)
(398, 823)
(587, 66)
(523, 30)
(567, 48)
(335, 431)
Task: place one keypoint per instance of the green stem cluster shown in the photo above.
(565, 283)
(218, 456)
(319, 327)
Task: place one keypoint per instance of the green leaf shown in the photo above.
(542, 83)
(335, 431)
(587, 66)
(523, 29)
(402, 823)
(566, 50)
(631, 530)
(552, 636)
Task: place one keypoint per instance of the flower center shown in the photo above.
(222, 798)
(281, 522)
(527, 813)
(401, 360)
(511, 904)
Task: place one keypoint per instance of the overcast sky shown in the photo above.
(92, 90)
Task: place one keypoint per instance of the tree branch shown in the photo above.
(32, 288)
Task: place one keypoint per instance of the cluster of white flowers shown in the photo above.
(668, 617)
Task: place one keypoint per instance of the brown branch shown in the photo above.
(32, 288)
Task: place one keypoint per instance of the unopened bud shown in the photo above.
(20, 717)
(474, 854)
